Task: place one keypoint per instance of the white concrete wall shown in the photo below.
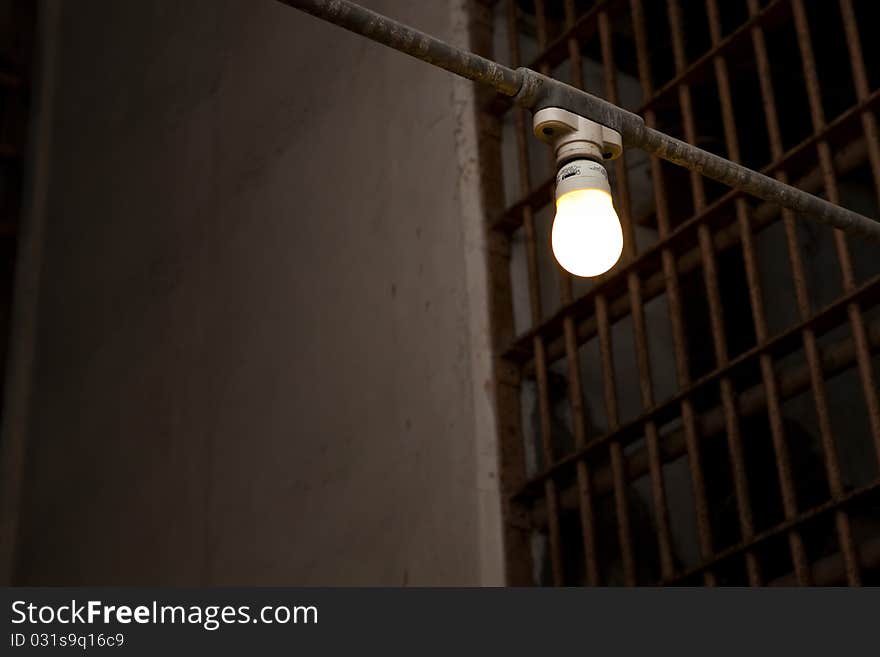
(261, 346)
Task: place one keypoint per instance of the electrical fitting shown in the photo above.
(586, 237)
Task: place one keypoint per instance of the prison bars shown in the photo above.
(604, 479)
(867, 295)
(550, 491)
(532, 90)
(799, 558)
(734, 439)
(586, 506)
(845, 159)
(832, 360)
(679, 342)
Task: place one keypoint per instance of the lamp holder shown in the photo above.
(581, 173)
(574, 137)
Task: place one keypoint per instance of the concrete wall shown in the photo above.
(259, 323)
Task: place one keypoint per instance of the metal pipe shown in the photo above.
(757, 184)
(535, 91)
(432, 50)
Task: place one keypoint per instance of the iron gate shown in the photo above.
(707, 412)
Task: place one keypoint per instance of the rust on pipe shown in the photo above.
(713, 294)
(532, 90)
(757, 184)
(425, 47)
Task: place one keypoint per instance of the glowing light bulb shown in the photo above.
(586, 237)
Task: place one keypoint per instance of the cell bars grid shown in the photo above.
(596, 506)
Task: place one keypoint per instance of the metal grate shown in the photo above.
(707, 412)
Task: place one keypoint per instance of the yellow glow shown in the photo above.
(587, 239)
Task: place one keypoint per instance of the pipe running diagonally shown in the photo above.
(534, 91)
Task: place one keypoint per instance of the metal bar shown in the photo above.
(533, 90)
(852, 497)
(550, 492)
(646, 391)
(834, 359)
(757, 184)
(869, 127)
(744, 507)
(615, 451)
(674, 304)
(586, 26)
(778, 346)
(831, 570)
(585, 496)
(783, 462)
(811, 351)
(713, 294)
(689, 73)
(576, 31)
(618, 459)
(799, 557)
(609, 393)
(860, 80)
(857, 323)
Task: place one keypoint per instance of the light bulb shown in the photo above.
(586, 237)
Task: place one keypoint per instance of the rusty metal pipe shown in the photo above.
(757, 184)
(393, 34)
(535, 91)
